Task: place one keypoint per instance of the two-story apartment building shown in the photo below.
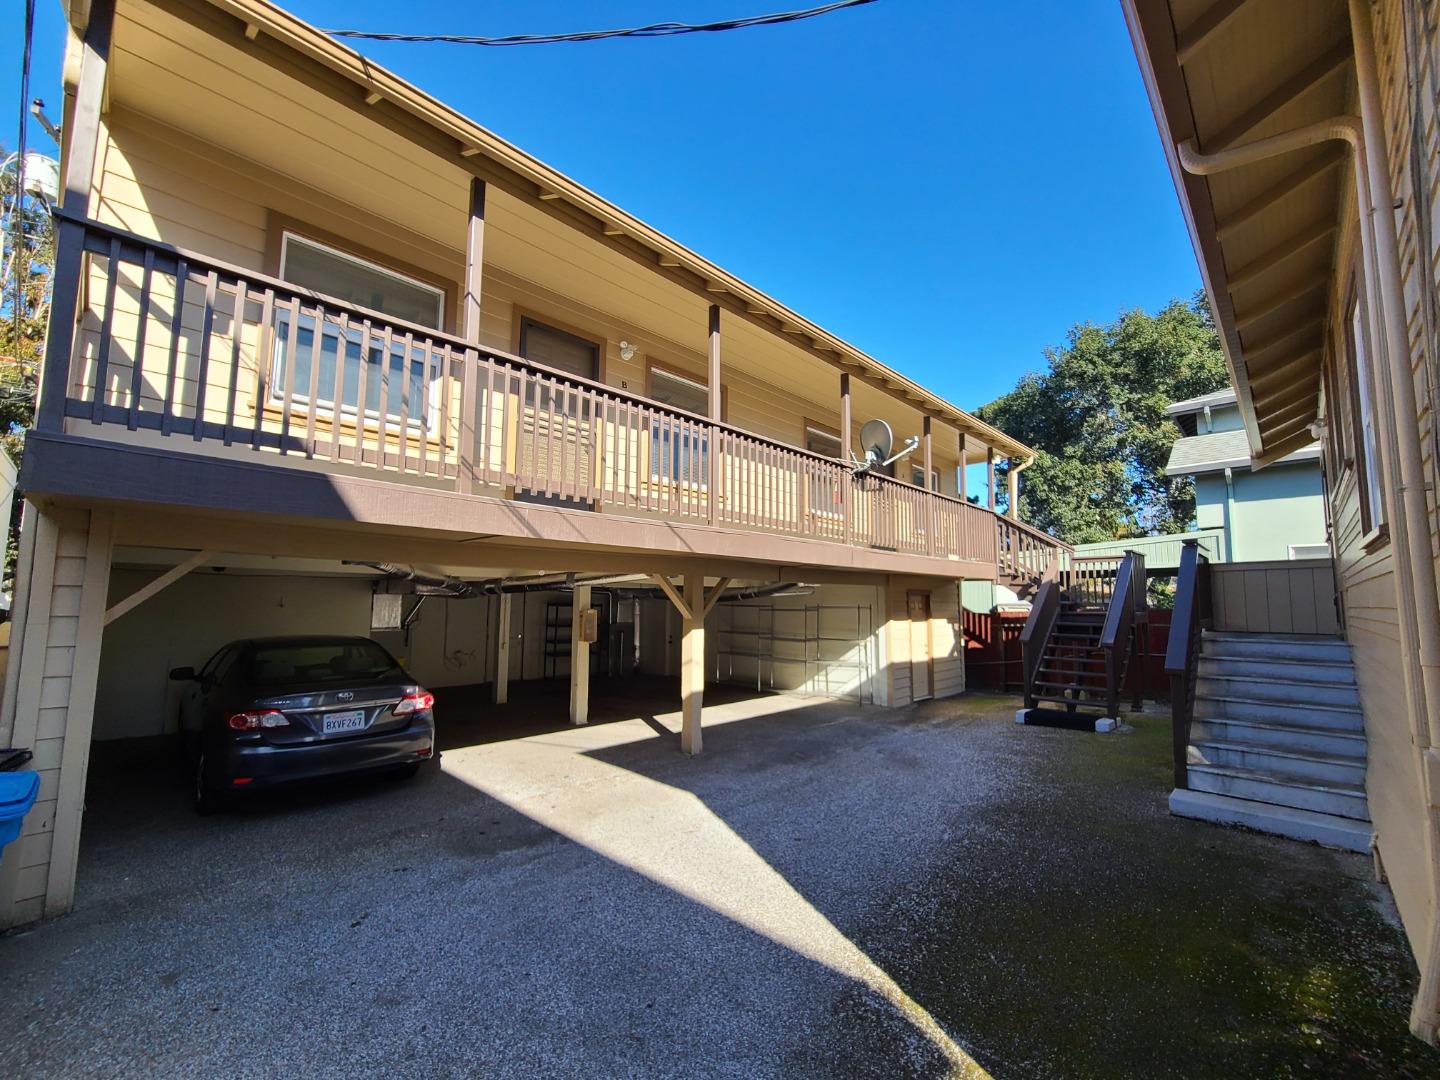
(1275, 512)
(1304, 141)
(318, 337)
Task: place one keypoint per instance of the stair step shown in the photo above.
(1280, 761)
(1323, 672)
(1341, 800)
(1264, 711)
(1294, 737)
(1079, 703)
(1284, 691)
(1345, 833)
(1275, 646)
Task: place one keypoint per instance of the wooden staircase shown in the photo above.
(1085, 625)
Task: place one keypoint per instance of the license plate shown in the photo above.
(336, 722)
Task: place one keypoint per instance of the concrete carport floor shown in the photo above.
(829, 890)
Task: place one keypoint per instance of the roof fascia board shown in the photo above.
(1152, 33)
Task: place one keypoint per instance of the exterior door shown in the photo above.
(568, 451)
(922, 666)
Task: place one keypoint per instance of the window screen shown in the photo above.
(356, 281)
(679, 392)
(1373, 502)
(819, 441)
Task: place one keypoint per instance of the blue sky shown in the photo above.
(948, 184)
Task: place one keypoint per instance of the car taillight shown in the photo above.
(415, 701)
(254, 721)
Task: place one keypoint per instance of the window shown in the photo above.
(408, 384)
(1309, 551)
(679, 454)
(917, 477)
(1372, 494)
(827, 494)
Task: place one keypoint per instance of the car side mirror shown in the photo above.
(183, 674)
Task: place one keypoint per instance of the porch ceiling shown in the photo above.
(256, 85)
(1225, 73)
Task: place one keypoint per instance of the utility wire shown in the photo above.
(654, 30)
(20, 254)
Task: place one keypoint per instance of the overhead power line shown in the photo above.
(672, 29)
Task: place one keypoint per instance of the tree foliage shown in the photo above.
(1097, 420)
(25, 292)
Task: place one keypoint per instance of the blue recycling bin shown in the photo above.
(17, 796)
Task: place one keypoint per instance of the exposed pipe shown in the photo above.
(1013, 477)
(451, 586)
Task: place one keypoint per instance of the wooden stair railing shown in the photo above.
(1082, 632)
(1182, 651)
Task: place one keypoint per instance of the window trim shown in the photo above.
(520, 315)
(288, 234)
(807, 425)
(1374, 529)
(278, 224)
(674, 371)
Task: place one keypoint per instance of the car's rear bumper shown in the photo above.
(260, 765)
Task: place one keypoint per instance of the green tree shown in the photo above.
(25, 291)
(1096, 418)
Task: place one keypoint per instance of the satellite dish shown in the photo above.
(877, 440)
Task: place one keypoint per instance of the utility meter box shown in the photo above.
(589, 625)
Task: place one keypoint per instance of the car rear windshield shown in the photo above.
(319, 661)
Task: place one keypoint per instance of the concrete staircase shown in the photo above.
(1278, 742)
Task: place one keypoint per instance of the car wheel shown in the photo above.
(207, 799)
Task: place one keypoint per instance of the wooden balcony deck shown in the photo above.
(173, 349)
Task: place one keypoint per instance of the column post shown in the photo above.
(579, 657)
(692, 663)
(846, 421)
(715, 408)
(500, 687)
(929, 463)
(470, 328)
(962, 481)
(990, 478)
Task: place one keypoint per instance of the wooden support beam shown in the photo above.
(613, 230)
(1204, 28)
(500, 686)
(374, 97)
(1285, 371)
(990, 478)
(548, 196)
(1286, 249)
(713, 597)
(1317, 167)
(1284, 335)
(252, 31)
(847, 455)
(471, 306)
(1290, 90)
(960, 480)
(579, 657)
(692, 665)
(160, 584)
(1291, 294)
(84, 125)
(713, 386)
(675, 598)
(927, 456)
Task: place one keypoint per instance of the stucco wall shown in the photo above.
(1273, 509)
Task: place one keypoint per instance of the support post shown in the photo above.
(692, 664)
(962, 481)
(846, 420)
(715, 401)
(470, 327)
(990, 478)
(500, 687)
(929, 463)
(579, 657)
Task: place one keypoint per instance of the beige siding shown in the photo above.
(52, 707)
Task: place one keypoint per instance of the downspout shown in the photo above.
(1229, 515)
(1419, 607)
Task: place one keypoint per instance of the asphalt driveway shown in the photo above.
(827, 889)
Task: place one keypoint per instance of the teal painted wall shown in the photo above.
(1273, 509)
(1225, 418)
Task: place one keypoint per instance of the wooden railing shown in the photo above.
(1044, 611)
(1124, 619)
(1182, 652)
(1091, 580)
(150, 338)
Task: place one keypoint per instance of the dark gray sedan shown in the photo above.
(269, 711)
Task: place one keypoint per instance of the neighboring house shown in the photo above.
(1275, 512)
(318, 340)
(1304, 143)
